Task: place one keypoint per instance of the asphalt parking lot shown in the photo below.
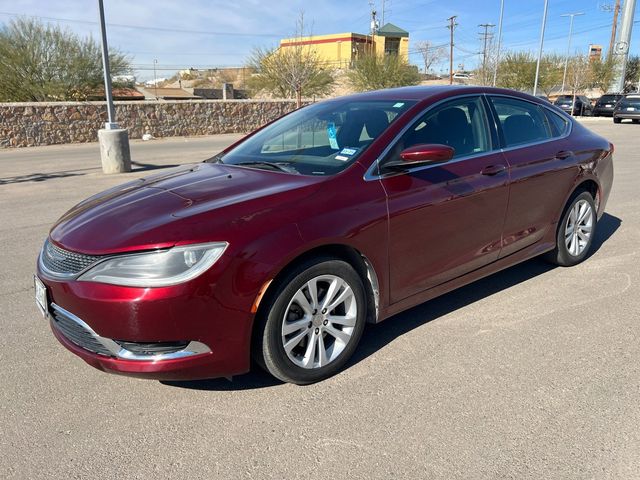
(533, 373)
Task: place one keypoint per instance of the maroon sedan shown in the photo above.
(348, 211)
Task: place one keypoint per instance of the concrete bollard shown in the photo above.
(114, 150)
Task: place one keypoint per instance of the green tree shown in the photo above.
(373, 72)
(632, 74)
(292, 71)
(41, 62)
(517, 70)
(602, 73)
(551, 70)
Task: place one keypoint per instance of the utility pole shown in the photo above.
(614, 25)
(113, 140)
(566, 60)
(544, 24)
(451, 26)
(495, 68)
(621, 48)
(485, 36)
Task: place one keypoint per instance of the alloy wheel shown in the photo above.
(577, 234)
(319, 321)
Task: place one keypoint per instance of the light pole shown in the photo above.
(114, 141)
(544, 24)
(155, 77)
(622, 45)
(566, 60)
(495, 68)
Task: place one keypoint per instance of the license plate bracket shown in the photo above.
(41, 296)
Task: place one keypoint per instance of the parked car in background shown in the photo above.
(581, 105)
(346, 211)
(628, 108)
(605, 104)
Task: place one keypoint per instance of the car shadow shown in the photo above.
(141, 167)
(376, 337)
(40, 177)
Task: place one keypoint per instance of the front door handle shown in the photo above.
(493, 170)
(564, 154)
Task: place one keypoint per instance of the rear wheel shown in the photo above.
(575, 231)
(635, 120)
(313, 323)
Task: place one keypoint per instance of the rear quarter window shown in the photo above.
(559, 124)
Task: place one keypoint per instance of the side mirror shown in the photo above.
(422, 154)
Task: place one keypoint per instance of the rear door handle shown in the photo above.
(564, 154)
(493, 170)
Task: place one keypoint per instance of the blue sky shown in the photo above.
(210, 33)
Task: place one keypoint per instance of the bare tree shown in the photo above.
(430, 53)
(579, 75)
(291, 71)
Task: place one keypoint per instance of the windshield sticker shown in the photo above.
(399, 105)
(333, 135)
(348, 151)
(342, 157)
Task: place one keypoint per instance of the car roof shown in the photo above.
(423, 93)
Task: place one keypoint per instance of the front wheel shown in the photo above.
(617, 120)
(575, 231)
(313, 322)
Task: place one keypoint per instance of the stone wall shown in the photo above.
(32, 124)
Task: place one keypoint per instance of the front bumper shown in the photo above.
(213, 334)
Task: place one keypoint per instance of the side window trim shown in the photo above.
(374, 173)
(504, 147)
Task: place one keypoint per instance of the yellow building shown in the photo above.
(340, 50)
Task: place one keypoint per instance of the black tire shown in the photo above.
(269, 350)
(561, 255)
(617, 120)
(635, 120)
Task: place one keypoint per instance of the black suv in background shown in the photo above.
(627, 108)
(582, 105)
(605, 104)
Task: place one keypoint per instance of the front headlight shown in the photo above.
(160, 268)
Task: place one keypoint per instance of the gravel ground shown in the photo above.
(531, 373)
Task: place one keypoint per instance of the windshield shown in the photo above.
(608, 99)
(630, 102)
(320, 139)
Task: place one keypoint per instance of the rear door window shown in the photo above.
(521, 122)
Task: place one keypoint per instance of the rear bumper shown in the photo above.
(627, 115)
(603, 112)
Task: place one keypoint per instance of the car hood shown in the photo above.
(185, 205)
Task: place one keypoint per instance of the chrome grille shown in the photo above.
(63, 262)
(76, 333)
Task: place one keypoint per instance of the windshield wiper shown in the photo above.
(275, 166)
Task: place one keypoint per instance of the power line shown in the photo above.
(141, 27)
